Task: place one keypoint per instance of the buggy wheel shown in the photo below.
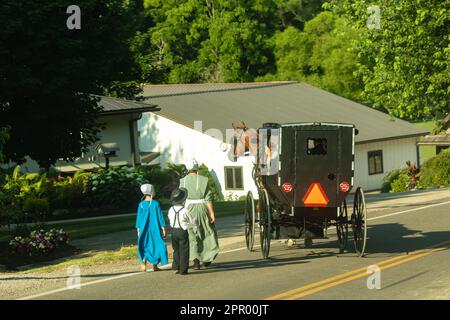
(250, 221)
(265, 223)
(342, 227)
(359, 225)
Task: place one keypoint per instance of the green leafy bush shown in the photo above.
(401, 184)
(10, 210)
(164, 180)
(204, 171)
(115, 187)
(37, 209)
(436, 171)
(390, 178)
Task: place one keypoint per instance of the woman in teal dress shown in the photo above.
(204, 244)
(151, 230)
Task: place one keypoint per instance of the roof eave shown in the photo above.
(129, 111)
(392, 138)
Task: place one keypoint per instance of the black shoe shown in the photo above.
(206, 264)
(196, 264)
(155, 268)
(183, 273)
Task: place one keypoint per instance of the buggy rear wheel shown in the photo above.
(342, 227)
(359, 225)
(250, 221)
(265, 223)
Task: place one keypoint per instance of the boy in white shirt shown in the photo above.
(180, 221)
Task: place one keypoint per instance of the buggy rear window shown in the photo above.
(316, 146)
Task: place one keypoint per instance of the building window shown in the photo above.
(375, 162)
(234, 178)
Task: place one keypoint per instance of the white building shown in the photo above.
(194, 119)
(119, 118)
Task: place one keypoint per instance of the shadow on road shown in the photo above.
(396, 238)
(274, 261)
(382, 239)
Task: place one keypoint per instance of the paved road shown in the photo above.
(409, 244)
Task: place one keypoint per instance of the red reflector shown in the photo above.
(344, 186)
(315, 196)
(287, 187)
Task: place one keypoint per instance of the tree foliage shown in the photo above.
(3, 138)
(214, 40)
(47, 73)
(404, 64)
(321, 55)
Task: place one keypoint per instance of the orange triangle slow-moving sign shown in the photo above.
(315, 196)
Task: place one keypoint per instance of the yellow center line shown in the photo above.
(335, 279)
(357, 276)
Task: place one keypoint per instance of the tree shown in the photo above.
(47, 73)
(297, 12)
(321, 55)
(190, 41)
(3, 138)
(404, 64)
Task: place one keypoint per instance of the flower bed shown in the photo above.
(39, 243)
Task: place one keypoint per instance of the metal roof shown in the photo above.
(113, 105)
(164, 90)
(280, 102)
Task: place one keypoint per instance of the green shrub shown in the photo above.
(436, 171)
(37, 209)
(10, 208)
(390, 178)
(204, 171)
(164, 180)
(115, 187)
(81, 180)
(401, 184)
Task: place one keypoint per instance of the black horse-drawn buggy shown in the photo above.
(304, 173)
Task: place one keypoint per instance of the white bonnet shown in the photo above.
(148, 189)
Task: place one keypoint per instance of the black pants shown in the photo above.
(180, 245)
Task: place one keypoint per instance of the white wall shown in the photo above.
(117, 130)
(395, 155)
(177, 143)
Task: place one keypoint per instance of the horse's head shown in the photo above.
(245, 141)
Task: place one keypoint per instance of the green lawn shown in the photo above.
(426, 152)
(123, 254)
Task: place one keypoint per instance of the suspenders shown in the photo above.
(177, 217)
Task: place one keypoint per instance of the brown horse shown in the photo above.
(245, 141)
